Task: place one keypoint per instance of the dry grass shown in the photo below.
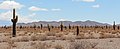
(82, 45)
(58, 47)
(30, 38)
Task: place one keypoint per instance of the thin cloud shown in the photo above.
(56, 9)
(84, 0)
(88, 0)
(34, 8)
(96, 6)
(62, 19)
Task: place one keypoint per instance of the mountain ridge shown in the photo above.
(65, 23)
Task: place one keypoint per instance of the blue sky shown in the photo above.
(105, 11)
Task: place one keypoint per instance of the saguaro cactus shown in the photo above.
(61, 26)
(48, 27)
(106, 26)
(77, 30)
(41, 26)
(52, 27)
(114, 25)
(5, 27)
(65, 27)
(69, 26)
(118, 27)
(14, 21)
(20, 27)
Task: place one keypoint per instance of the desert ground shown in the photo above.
(95, 37)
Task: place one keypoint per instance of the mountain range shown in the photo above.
(65, 23)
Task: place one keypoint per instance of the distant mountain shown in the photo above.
(65, 23)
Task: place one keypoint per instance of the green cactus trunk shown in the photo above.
(41, 26)
(20, 27)
(61, 26)
(106, 26)
(69, 26)
(77, 30)
(118, 27)
(114, 25)
(14, 29)
(48, 27)
(14, 21)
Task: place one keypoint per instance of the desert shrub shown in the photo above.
(4, 38)
(42, 37)
(33, 38)
(118, 35)
(80, 36)
(38, 46)
(59, 47)
(82, 45)
(111, 41)
(68, 37)
(59, 34)
(7, 34)
(15, 39)
(108, 35)
(71, 37)
(10, 42)
(32, 43)
(95, 35)
(21, 33)
(5, 46)
(21, 39)
(50, 34)
(66, 33)
(25, 38)
(63, 37)
(51, 38)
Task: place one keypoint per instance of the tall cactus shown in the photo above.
(20, 27)
(52, 27)
(106, 26)
(41, 26)
(69, 26)
(114, 25)
(5, 27)
(48, 27)
(118, 27)
(61, 26)
(77, 30)
(14, 21)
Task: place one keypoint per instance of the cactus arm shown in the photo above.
(16, 18)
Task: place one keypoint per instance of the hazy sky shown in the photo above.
(105, 11)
